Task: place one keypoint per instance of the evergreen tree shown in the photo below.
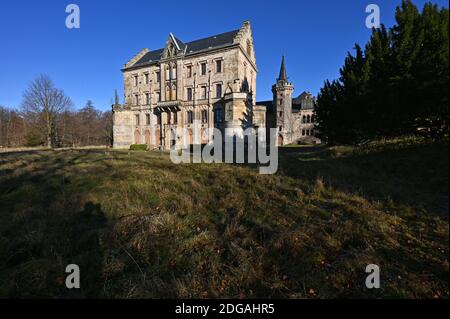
(397, 85)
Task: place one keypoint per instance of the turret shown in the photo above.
(282, 98)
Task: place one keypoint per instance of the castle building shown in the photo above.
(207, 83)
(294, 117)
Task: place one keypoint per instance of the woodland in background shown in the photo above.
(47, 118)
(397, 85)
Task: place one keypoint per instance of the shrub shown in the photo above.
(138, 147)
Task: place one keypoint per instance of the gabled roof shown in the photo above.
(211, 42)
(180, 45)
(192, 47)
(306, 101)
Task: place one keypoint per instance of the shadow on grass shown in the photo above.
(44, 228)
(415, 175)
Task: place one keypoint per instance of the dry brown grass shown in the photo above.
(142, 227)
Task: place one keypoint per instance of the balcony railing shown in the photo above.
(169, 104)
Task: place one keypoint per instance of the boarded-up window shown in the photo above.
(174, 72)
(203, 92)
(173, 96)
(189, 71)
(167, 92)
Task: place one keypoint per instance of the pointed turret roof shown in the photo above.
(283, 74)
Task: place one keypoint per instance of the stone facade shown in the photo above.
(189, 87)
(208, 83)
(294, 117)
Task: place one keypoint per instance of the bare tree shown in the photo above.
(11, 128)
(42, 98)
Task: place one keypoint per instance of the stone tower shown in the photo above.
(282, 101)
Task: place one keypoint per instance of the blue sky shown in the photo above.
(314, 36)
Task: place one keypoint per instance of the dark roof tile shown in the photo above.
(191, 47)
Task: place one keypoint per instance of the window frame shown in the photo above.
(219, 62)
(189, 117)
(203, 68)
(137, 100)
(218, 116)
(189, 71)
(219, 96)
(204, 91)
(189, 94)
(137, 119)
(204, 116)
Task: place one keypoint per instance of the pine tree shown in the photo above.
(397, 85)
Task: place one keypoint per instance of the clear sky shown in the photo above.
(314, 35)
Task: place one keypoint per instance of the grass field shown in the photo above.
(141, 227)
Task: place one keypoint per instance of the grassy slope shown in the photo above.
(140, 226)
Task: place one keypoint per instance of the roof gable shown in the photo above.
(205, 44)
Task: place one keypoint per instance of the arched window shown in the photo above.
(167, 92)
(304, 119)
(308, 119)
(174, 92)
(249, 48)
(174, 72)
(313, 119)
(167, 73)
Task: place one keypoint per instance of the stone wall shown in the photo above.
(238, 73)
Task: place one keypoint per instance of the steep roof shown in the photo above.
(192, 47)
(283, 74)
(306, 100)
